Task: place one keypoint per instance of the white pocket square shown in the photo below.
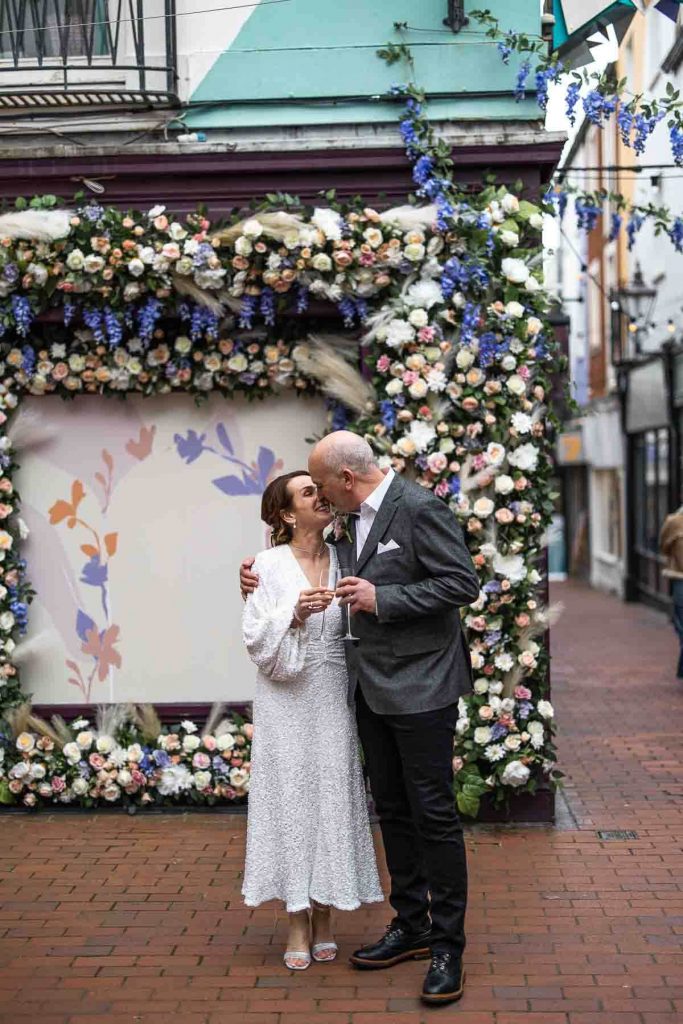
(390, 545)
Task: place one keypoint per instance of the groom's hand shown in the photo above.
(358, 594)
(248, 579)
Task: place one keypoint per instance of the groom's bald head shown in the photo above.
(344, 468)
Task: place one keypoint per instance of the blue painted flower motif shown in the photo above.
(189, 448)
(94, 573)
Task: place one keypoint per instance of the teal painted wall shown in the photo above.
(314, 62)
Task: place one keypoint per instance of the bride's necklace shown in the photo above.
(312, 554)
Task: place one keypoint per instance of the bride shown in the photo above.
(308, 835)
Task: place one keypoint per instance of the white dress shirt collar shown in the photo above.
(376, 497)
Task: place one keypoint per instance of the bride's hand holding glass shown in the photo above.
(312, 601)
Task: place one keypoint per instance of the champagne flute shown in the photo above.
(340, 573)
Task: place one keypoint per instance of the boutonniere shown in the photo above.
(339, 528)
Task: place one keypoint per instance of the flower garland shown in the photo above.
(449, 303)
(127, 759)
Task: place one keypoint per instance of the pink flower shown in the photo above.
(457, 764)
(201, 760)
(522, 620)
(442, 489)
(437, 462)
(248, 730)
(524, 372)
(409, 377)
(137, 777)
(522, 693)
(486, 713)
(209, 742)
(478, 462)
(383, 364)
(58, 784)
(426, 334)
(478, 623)
(96, 761)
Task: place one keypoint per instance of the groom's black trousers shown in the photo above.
(409, 760)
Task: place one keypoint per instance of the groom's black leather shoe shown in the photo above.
(394, 946)
(445, 981)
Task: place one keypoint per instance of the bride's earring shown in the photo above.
(294, 524)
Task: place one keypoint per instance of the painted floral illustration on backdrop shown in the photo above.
(97, 641)
(253, 476)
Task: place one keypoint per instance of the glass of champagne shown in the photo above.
(339, 574)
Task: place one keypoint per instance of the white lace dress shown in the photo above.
(308, 833)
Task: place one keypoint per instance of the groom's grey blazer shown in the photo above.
(412, 655)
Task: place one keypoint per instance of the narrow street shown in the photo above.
(113, 919)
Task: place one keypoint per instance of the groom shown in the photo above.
(408, 573)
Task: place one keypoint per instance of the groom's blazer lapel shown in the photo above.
(387, 511)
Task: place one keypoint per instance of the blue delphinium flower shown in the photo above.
(470, 320)
(92, 212)
(248, 310)
(487, 349)
(587, 214)
(615, 225)
(675, 233)
(625, 118)
(28, 359)
(422, 169)
(598, 107)
(20, 611)
(454, 484)
(387, 413)
(634, 225)
(676, 142)
(92, 317)
(113, 326)
(22, 313)
(267, 306)
(301, 298)
(347, 308)
(147, 316)
(340, 415)
(644, 127)
(505, 51)
(571, 99)
(542, 79)
(68, 312)
(522, 76)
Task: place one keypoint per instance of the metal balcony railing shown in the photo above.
(57, 54)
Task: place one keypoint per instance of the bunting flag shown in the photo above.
(576, 21)
(672, 9)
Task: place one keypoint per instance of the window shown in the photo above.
(54, 30)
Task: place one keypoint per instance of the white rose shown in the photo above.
(85, 740)
(504, 484)
(514, 309)
(481, 685)
(515, 774)
(508, 363)
(202, 780)
(483, 507)
(79, 787)
(482, 735)
(533, 326)
(72, 752)
(545, 709)
(111, 792)
(418, 317)
(156, 211)
(252, 228)
(225, 742)
(322, 262)
(75, 260)
(495, 453)
(462, 725)
(521, 422)
(6, 621)
(414, 252)
(534, 577)
(105, 744)
(516, 385)
(536, 221)
(515, 270)
(525, 457)
(509, 238)
(512, 742)
(510, 203)
(238, 777)
(93, 264)
(124, 777)
(176, 231)
(243, 246)
(532, 285)
(464, 358)
(191, 743)
(495, 688)
(146, 254)
(418, 389)
(136, 267)
(512, 567)
(134, 752)
(394, 387)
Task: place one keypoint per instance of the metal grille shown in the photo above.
(612, 835)
(86, 53)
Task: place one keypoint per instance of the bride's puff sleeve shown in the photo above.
(274, 647)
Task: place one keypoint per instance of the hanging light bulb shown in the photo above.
(671, 327)
(633, 326)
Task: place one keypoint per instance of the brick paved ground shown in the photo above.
(106, 918)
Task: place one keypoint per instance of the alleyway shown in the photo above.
(112, 919)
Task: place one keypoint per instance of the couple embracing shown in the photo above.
(401, 567)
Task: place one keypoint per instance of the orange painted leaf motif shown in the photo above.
(108, 460)
(59, 511)
(90, 550)
(77, 494)
(102, 649)
(71, 523)
(141, 448)
(110, 542)
(72, 665)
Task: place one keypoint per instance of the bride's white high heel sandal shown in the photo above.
(319, 949)
(304, 955)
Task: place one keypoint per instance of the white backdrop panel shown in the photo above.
(137, 585)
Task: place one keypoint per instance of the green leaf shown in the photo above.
(20, 203)
(6, 795)
(468, 805)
